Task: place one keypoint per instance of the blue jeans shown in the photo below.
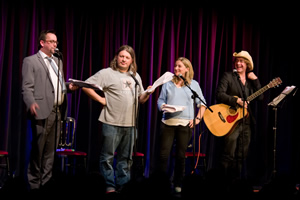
(116, 139)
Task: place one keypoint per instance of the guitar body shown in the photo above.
(223, 119)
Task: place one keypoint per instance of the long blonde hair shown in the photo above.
(133, 65)
(189, 74)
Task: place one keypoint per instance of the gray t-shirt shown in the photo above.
(119, 89)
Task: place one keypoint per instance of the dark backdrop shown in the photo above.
(206, 33)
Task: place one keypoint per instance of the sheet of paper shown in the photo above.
(167, 76)
(85, 84)
(172, 108)
(284, 93)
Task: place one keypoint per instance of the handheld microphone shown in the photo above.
(132, 75)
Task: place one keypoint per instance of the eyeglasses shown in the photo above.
(52, 41)
(241, 60)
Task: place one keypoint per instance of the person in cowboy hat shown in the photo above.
(233, 89)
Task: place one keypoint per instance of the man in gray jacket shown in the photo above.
(44, 94)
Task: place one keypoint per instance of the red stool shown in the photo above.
(198, 156)
(70, 157)
(5, 155)
(138, 164)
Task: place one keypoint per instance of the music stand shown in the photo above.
(275, 103)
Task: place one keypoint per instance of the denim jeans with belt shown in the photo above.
(116, 139)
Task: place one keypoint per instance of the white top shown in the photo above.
(54, 79)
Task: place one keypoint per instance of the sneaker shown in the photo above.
(110, 190)
(177, 189)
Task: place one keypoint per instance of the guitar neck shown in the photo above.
(257, 93)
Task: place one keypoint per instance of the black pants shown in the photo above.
(43, 150)
(236, 145)
(181, 135)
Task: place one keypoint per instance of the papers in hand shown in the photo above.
(84, 84)
(283, 94)
(172, 108)
(167, 76)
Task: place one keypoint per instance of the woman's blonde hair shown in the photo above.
(189, 74)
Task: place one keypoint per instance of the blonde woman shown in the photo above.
(177, 127)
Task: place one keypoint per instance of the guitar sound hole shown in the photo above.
(232, 110)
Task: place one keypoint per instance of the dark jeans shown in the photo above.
(119, 139)
(181, 135)
(236, 147)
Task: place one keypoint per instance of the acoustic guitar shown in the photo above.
(224, 118)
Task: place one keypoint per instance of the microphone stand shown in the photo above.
(243, 122)
(135, 109)
(59, 56)
(194, 96)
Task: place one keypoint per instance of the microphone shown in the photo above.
(236, 73)
(180, 76)
(132, 75)
(57, 53)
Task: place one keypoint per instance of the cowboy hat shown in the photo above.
(245, 55)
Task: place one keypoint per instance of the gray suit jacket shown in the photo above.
(37, 86)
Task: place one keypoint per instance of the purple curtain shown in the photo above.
(89, 35)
